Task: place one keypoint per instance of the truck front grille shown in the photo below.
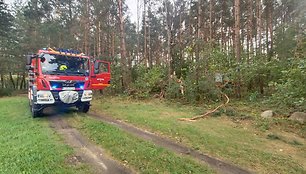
(56, 95)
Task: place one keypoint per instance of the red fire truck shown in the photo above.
(65, 78)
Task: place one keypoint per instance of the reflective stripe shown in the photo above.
(100, 84)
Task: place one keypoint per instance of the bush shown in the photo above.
(290, 90)
(147, 81)
(195, 91)
(257, 75)
(116, 80)
(173, 90)
(6, 92)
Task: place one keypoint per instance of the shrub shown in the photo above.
(290, 90)
(147, 81)
(173, 90)
(203, 90)
(6, 92)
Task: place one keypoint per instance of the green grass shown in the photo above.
(238, 143)
(28, 145)
(142, 156)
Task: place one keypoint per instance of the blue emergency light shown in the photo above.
(80, 85)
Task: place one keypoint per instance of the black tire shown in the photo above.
(84, 107)
(35, 112)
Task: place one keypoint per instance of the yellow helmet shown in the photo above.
(63, 67)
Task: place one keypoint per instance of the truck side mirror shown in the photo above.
(42, 58)
(96, 68)
(29, 59)
(29, 67)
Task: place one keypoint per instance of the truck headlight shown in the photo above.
(45, 97)
(87, 96)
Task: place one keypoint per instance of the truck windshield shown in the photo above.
(54, 64)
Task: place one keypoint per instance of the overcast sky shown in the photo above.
(132, 4)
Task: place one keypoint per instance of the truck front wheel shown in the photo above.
(35, 112)
(84, 107)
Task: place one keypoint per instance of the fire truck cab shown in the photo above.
(64, 78)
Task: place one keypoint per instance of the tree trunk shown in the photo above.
(211, 15)
(145, 32)
(223, 27)
(2, 81)
(237, 31)
(180, 45)
(250, 30)
(22, 81)
(86, 27)
(137, 28)
(12, 80)
(113, 44)
(259, 25)
(25, 84)
(99, 39)
(237, 44)
(198, 32)
(17, 81)
(168, 28)
(197, 68)
(125, 74)
(149, 44)
(271, 8)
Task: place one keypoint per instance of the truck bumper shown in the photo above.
(39, 106)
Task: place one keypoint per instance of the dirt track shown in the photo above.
(85, 152)
(218, 165)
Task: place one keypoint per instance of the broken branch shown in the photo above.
(207, 113)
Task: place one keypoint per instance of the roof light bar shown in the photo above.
(66, 51)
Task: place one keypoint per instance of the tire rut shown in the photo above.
(85, 151)
(220, 166)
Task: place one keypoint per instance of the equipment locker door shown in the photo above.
(101, 75)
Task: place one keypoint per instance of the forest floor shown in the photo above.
(122, 135)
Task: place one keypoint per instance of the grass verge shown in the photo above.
(239, 143)
(142, 156)
(28, 145)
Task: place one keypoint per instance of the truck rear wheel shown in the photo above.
(84, 107)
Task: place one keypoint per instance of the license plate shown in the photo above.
(68, 88)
